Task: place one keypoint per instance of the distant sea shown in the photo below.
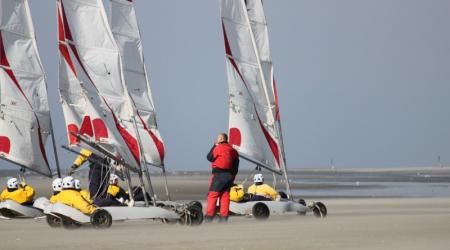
(353, 184)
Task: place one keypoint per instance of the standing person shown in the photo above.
(225, 164)
(98, 172)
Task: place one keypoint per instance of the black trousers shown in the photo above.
(98, 180)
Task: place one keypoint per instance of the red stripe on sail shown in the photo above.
(229, 53)
(277, 107)
(67, 32)
(68, 35)
(63, 50)
(131, 142)
(61, 35)
(272, 143)
(4, 62)
(159, 144)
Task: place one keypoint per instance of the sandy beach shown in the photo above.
(352, 223)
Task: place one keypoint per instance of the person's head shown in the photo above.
(113, 179)
(68, 182)
(258, 179)
(57, 185)
(222, 137)
(13, 183)
(77, 184)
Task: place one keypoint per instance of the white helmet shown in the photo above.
(113, 178)
(68, 182)
(77, 184)
(13, 183)
(57, 184)
(258, 178)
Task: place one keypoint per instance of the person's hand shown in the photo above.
(72, 170)
(130, 203)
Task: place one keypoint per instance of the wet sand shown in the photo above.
(360, 223)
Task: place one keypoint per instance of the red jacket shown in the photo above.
(223, 156)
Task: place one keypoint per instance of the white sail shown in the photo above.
(125, 28)
(24, 110)
(253, 121)
(94, 98)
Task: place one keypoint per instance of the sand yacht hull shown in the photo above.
(166, 211)
(264, 209)
(12, 209)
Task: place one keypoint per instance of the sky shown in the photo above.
(364, 83)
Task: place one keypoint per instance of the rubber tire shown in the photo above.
(53, 221)
(101, 219)
(260, 211)
(302, 201)
(320, 210)
(70, 225)
(196, 213)
(196, 203)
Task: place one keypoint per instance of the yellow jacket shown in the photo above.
(54, 197)
(237, 193)
(263, 190)
(21, 195)
(86, 195)
(74, 199)
(82, 158)
(117, 192)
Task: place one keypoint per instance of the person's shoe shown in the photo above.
(223, 219)
(207, 219)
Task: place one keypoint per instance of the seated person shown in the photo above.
(261, 191)
(138, 194)
(57, 188)
(84, 193)
(237, 193)
(71, 197)
(22, 194)
(116, 196)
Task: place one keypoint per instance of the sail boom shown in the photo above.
(259, 164)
